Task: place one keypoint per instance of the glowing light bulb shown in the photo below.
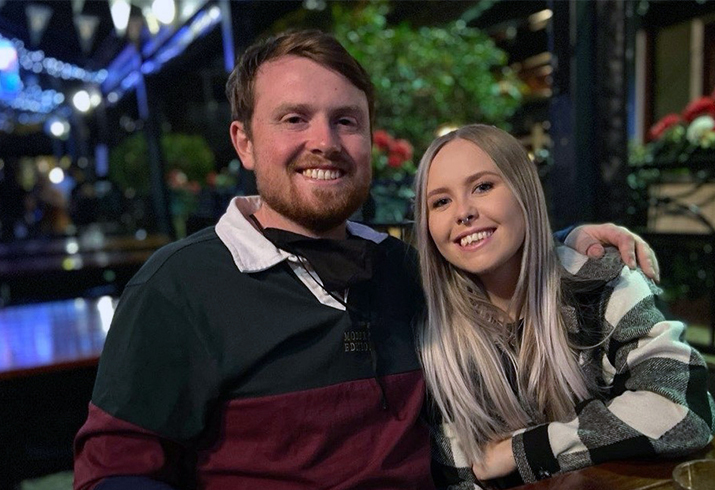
(56, 175)
(82, 101)
(120, 10)
(164, 10)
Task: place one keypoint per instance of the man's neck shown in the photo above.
(271, 219)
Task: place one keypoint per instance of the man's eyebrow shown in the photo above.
(288, 107)
(285, 108)
(352, 109)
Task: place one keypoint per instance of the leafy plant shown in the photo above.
(428, 76)
(189, 154)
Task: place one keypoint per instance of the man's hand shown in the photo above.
(498, 461)
(589, 240)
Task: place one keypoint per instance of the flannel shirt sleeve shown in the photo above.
(656, 401)
(450, 468)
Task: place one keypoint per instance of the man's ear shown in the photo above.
(242, 144)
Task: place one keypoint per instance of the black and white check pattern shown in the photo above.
(655, 402)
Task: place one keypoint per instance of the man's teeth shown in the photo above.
(475, 237)
(320, 174)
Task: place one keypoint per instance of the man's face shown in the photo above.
(310, 146)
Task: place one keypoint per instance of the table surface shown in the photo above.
(67, 254)
(651, 474)
(51, 336)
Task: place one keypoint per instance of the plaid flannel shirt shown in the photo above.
(655, 400)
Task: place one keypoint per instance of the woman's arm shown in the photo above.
(657, 403)
(451, 470)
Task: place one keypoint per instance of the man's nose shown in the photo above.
(324, 138)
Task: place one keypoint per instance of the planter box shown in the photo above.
(682, 207)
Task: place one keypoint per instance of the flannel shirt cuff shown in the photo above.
(532, 453)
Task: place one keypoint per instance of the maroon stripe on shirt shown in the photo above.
(336, 437)
(107, 446)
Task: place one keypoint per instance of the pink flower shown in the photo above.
(659, 128)
(699, 107)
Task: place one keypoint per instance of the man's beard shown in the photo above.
(327, 209)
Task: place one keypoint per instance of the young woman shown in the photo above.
(539, 360)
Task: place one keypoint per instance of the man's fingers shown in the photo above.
(647, 260)
(656, 266)
(627, 244)
(595, 250)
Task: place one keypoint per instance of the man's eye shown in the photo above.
(293, 119)
(347, 121)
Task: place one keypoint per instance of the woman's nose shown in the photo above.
(466, 215)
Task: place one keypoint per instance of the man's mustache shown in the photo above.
(340, 161)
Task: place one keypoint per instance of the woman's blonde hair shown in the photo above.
(480, 382)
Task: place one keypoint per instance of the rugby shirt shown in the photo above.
(215, 378)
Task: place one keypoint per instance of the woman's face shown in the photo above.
(473, 217)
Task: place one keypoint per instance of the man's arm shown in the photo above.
(106, 447)
(590, 239)
(154, 386)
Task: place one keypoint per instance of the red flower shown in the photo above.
(176, 178)
(395, 160)
(382, 139)
(699, 107)
(667, 122)
(403, 148)
(211, 178)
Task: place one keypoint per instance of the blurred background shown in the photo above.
(114, 141)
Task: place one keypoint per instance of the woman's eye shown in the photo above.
(483, 187)
(438, 203)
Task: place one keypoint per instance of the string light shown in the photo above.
(34, 99)
(37, 62)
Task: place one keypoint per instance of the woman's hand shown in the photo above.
(498, 461)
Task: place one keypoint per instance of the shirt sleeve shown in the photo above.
(655, 401)
(154, 388)
(450, 468)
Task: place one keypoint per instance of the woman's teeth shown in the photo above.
(320, 174)
(475, 237)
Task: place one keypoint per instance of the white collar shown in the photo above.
(251, 251)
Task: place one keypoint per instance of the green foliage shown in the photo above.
(429, 76)
(129, 160)
(129, 165)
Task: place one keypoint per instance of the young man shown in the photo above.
(273, 351)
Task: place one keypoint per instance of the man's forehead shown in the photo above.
(281, 76)
(286, 68)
